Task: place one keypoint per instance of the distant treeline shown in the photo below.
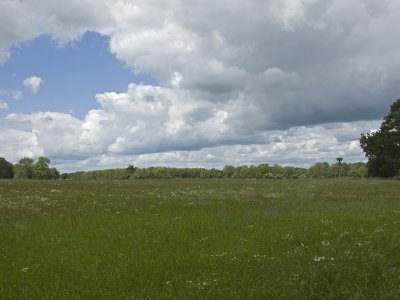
(319, 170)
(27, 168)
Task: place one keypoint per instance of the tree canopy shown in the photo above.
(27, 168)
(319, 170)
(6, 169)
(24, 168)
(382, 147)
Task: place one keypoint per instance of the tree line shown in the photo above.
(382, 147)
(319, 170)
(27, 168)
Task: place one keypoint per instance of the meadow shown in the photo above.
(200, 239)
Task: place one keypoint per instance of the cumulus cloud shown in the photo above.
(24, 20)
(50, 134)
(33, 83)
(296, 62)
(154, 119)
(149, 126)
(280, 73)
(299, 62)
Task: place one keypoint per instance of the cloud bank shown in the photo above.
(316, 68)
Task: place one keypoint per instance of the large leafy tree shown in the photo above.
(42, 169)
(382, 147)
(27, 168)
(6, 169)
(24, 168)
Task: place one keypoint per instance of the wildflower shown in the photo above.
(288, 237)
(326, 243)
(327, 222)
(319, 258)
(349, 254)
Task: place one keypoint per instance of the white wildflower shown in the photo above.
(319, 258)
(343, 234)
(288, 237)
(326, 243)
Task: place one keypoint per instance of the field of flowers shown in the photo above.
(200, 239)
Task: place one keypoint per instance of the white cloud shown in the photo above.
(149, 126)
(329, 53)
(33, 83)
(49, 133)
(153, 119)
(3, 105)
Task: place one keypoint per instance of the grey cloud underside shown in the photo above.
(230, 72)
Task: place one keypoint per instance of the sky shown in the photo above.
(108, 83)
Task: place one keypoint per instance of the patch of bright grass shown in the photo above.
(200, 239)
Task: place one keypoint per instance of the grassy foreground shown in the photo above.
(200, 239)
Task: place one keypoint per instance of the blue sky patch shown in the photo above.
(72, 75)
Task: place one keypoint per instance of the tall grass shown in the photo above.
(200, 239)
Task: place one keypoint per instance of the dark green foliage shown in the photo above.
(64, 176)
(6, 169)
(383, 146)
(41, 168)
(54, 174)
(357, 170)
(319, 170)
(227, 171)
(131, 168)
(101, 174)
(26, 168)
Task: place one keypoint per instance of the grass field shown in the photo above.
(200, 239)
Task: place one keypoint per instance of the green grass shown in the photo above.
(200, 239)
